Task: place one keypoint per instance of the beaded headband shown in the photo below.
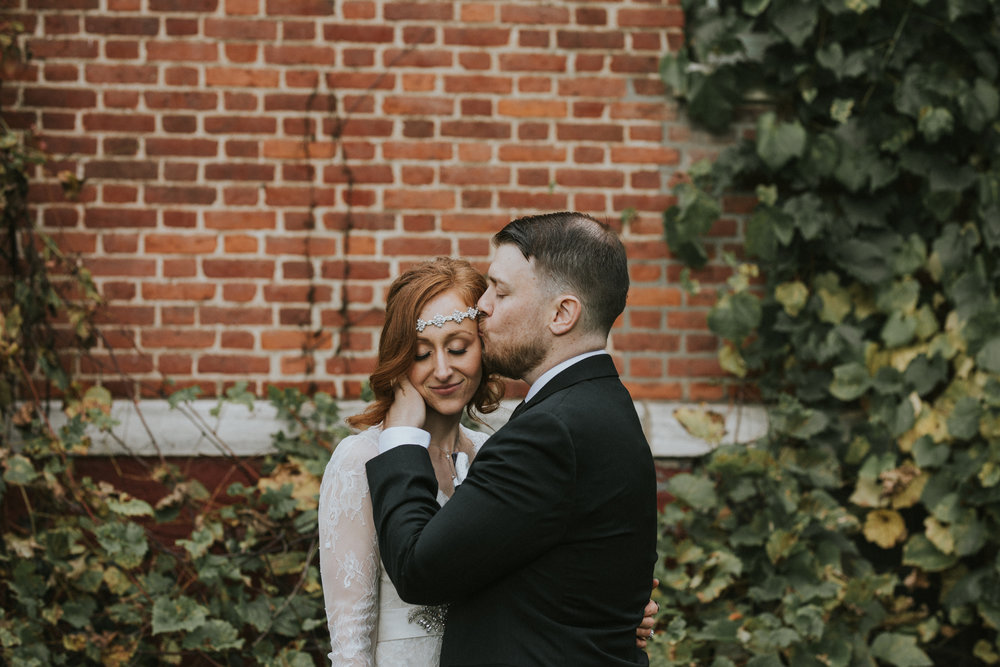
(456, 317)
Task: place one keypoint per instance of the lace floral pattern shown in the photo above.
(350, 565)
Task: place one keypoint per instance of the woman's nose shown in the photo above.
(442, 365)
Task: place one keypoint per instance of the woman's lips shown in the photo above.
(446, 389)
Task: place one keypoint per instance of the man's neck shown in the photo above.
(563, 353)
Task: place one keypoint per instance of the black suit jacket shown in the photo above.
(546, 551)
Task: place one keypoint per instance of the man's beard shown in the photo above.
(513, 360)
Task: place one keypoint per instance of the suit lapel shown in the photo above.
(587, 369)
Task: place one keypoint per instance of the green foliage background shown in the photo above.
(864, 529)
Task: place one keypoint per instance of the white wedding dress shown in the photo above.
(369, 624)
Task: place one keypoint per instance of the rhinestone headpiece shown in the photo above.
(438, 320)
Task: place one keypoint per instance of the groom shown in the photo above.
(546, 550)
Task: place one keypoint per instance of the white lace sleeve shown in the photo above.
(348, 559)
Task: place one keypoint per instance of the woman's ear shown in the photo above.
(566, 315)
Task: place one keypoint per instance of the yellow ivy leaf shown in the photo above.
(305, 487)
(792, 296)
(909, 495)
(705, 424)
(867, 493)
(939, 535)
(732, 361)
(75, 642)
(884, 528)
(929, 422)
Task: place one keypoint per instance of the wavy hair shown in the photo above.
(397, 346)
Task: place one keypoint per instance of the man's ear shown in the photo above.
(567, 314)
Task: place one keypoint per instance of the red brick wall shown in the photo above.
(256, 171)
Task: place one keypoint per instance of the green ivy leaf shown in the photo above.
(19, 470)
(850, 381)
(778, 142)
(963, 422)
(735, 316)
(920, 552)
(124, 542)
(980, 104)
(181, 614)
(988, 357)
(697, 492)
(899, 650)
(795, 20)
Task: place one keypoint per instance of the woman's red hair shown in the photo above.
(397, 346)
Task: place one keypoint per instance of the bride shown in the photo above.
(431, 338)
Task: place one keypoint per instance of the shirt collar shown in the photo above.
(555, 370)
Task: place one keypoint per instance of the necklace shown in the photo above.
(451, 455)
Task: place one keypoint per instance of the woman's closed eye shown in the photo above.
(423, 356)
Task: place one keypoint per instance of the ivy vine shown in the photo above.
(864, 528)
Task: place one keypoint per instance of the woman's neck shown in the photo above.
(444, 431)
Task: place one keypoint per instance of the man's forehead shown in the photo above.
(508, 264)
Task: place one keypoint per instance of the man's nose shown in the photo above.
(485, 303)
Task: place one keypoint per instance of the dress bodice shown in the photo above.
(369, 624)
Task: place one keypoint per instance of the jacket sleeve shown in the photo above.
(511, 508)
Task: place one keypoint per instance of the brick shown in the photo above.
(408, 199)
(182, 51)
(522, 153)
(181, 27)
(179, 195)
(640, 155)
(298, 7)
(188, 101)
(528, 108)
(162, 244)
(403, 150)
(533, 39)
(207, 6)
(177, 315)
(357, 270)
(69, 98)
(419, 246)
(186, 267)
(533, 14)
(241, 29)
(693, 367)
(178, 146)
(121, 170)
(244, 293)
(590, 178)
(227, 171)
(589, 132)
(300, 55)
(535, 62)
(236, 77)
(237, 340)
(646, 342)
(233, 364)
(63, 49)
(120, 243)
(533, 201)
(478, 83)
(179, 124)
(688, 319)
(478, 37)
(590, 39)
(238, 268)
(104, 266)
(419, 106)
(96, 217)
(635, 64)
(181, 76)
(418, 11)
(476, 129)
(393, 58)
(471, 175)
(352, 32)
(602, 87)
(178, 291)
(666, 17)
(233, 316)
(306, 196)
(308, 246)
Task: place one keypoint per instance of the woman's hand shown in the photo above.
(408, 407)
(645, 630)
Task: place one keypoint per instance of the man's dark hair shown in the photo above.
(578, 254)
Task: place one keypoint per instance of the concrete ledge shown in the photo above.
(155, 428)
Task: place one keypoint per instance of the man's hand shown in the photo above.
(408, 407)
